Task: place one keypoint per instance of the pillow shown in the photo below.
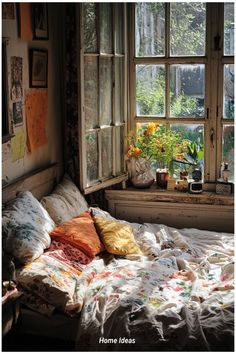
(65, 202)
(80, 232)
(53, 281)
(25, 227)
(118, 238)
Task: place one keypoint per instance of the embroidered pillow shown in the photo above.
(65, 202)
(25, 227)
(80, 232)
(117, 237)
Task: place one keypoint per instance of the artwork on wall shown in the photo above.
(16, 78)
(8, 11)
(25, 21)
(18, 144)
(17, 113)
(40, 21)
(36, 110)
(38, 67)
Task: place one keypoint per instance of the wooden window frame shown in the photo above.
(116, 177)
(213, 60)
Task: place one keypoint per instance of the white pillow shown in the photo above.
(65, 202)
(25, 227)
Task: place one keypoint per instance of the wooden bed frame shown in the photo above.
(39, 182)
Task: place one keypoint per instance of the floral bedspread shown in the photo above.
(179, 296)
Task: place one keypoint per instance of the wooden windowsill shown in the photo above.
(155, 194)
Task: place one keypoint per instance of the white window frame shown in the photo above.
(213, 60)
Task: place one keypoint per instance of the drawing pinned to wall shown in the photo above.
(8, 11)
(25, 21)
(18, 144)
(16, 78)
(36, 110)
(17, 113)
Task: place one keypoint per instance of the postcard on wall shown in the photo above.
(36, 110)
(8, 11)
(17, 113)
(16, 78)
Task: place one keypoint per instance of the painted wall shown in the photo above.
(52, 151)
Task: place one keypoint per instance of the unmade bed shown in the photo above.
(112, 285)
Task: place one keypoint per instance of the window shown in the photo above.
(103, 94)
(182, 76)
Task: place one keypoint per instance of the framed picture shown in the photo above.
(38, 67)
(40, 21)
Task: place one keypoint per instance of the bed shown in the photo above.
(116, 285)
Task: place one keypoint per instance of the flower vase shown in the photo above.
(144, 177)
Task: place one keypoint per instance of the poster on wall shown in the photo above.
(36, 110)
(25, 21)
(8, 11)
(16, 78)
(17, 113)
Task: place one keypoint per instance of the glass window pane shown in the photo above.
(105, 28)
(107, 152)
(150, 29)
(92, 157)
(229, 91)
(187, 86)
(119, 90)
(91, 92)
(119, 28)
(150, 90)
(105, 90)
(191, 151)
(187, 29)
(229, 29)
(228, 148)
(90, 33)
(119, 149)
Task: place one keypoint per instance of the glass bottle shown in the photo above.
(226, 173)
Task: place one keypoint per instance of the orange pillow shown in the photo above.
(80, 232)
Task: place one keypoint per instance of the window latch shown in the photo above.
(217, 42)
(212, 133)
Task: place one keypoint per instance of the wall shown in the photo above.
(52, 151)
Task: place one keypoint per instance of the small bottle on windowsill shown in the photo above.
(226, 173)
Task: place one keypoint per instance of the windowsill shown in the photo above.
(155, 194)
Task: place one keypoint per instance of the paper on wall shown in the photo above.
(18, 143)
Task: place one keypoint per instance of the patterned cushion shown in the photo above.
(69, 254)
(26, 226)
(117, 237)
(80, 233)
(65, 202)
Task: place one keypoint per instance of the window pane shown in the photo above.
(119, 149)
(107, 152)
(105, 90)
(105, 28)
(92, 157)
(229, 91)
(187, 85)
(150, 90)
(187, 29)
(229, 29)
(119, 28)
(90, 33)
(193, 156)
(91, 92)
(228, 148)
(150, 29)
(119, 90)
